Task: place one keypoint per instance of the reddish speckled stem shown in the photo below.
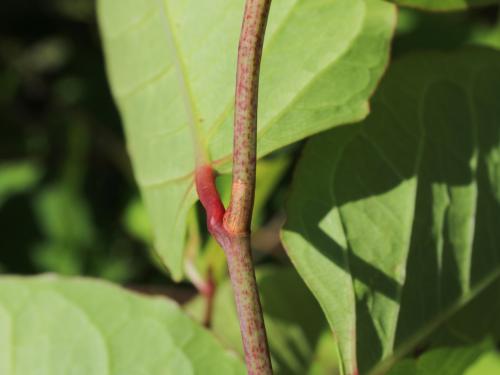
(240, 208)
(239, 258)
(246, 295)
(231, 228)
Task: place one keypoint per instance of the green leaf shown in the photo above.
(437, 5)
(483, 311)
(294, 321)
(481, 359)
(171, 65)
(418, 30)
(486, 36)
(324, 361)
(17, 177)
(63, 214)
(417, 183)
(488, 364)
(136, 220)
(269, 174)
(60, 326)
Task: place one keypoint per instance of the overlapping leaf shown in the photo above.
(404, 209)
(171, 64)
(61, 326)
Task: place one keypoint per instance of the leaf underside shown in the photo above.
(59, 326)
(394, 220)
(172, 67)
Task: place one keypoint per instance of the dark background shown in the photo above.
(63, 165)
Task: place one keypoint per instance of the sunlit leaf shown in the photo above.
(171, 65)
(394, 221)
(61, 326)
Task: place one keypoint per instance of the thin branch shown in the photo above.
(231, 228)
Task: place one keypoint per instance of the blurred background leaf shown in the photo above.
(17, 177)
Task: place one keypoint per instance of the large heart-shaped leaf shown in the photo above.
(172, 63)
(417, 183)
(61, 326)
(444, 4)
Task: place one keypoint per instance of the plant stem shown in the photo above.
(246, 295)
(241, 271)
(240, 208)
(231, 228)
